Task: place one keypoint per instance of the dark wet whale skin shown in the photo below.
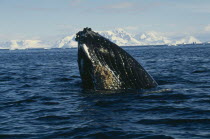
(104, 65)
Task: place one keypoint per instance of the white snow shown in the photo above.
(66, 42)
(152, 38)
(118, 36)
(187, 40)
(23, 44)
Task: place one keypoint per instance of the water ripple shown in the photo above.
(41, 97)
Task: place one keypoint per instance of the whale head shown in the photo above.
(105, 66)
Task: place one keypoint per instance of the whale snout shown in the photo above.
(82, 36)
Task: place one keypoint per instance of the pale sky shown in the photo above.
(49, 19)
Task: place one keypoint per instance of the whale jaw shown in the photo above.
(96, 74)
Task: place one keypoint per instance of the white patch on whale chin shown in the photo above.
(85, 48)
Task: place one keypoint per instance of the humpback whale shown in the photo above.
(103, 65)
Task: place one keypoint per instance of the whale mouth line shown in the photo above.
(105, 66)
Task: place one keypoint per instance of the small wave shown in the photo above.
(116, 134)
(15, 136)
(159, 96)
(47, 110)
(126, 91)
(166, 109)
(20, 102)
(158, 91)
(6, 78)
(196, 82)
(204, 101)
(174, 121)
(203, 86)
(26, 86)
(158, 137)
(75, 76)
(50, 103)
(163, 82)
(86, 133)
(64, 79)
(201, 71)
(106, 103)
(52, 118)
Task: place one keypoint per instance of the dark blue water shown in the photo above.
(41, 97)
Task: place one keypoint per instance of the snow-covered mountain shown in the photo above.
(66, 42)
(118, 36)
(23, 44)
(153, 38)
(188, 40)
(123, 38)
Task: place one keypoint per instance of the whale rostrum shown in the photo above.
(103, 65)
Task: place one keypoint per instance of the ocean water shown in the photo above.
(41, 96)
